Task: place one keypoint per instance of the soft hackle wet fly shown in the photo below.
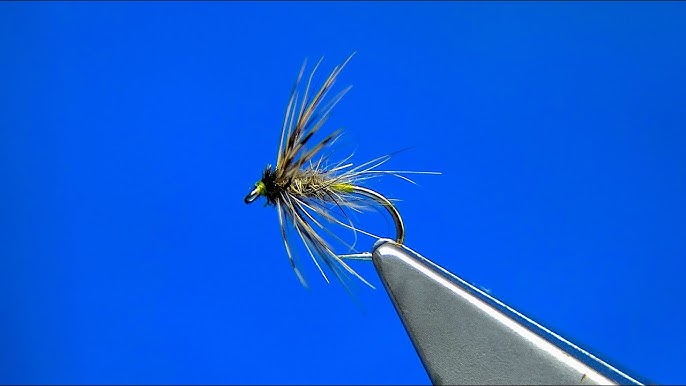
(304, 189)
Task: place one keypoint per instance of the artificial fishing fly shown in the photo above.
(302, 188)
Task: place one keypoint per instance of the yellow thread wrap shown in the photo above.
(343, 187)
(261, 189)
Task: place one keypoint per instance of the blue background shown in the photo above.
(130, 133)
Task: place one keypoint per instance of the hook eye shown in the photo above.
(252, 196)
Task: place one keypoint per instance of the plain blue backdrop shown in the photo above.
(130, 133)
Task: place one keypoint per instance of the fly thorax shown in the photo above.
(309, 183)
